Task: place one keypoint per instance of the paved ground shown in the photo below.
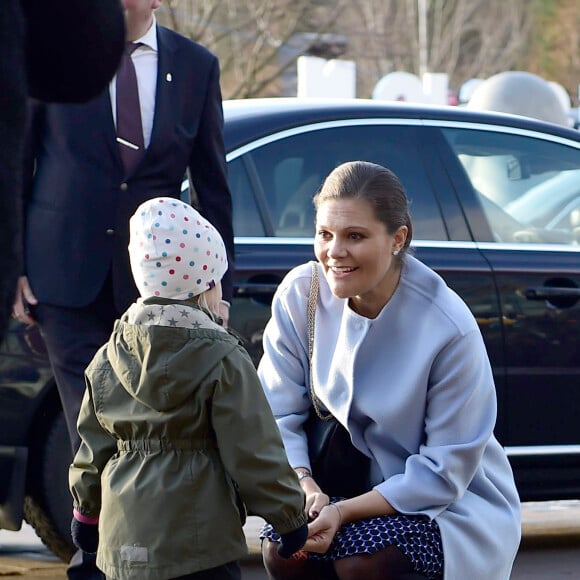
(551, 538)
(24, 557)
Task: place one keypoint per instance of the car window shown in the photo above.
(529, 188)
(285, 174)
(247, 219)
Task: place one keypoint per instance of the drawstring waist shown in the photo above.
(153, 445)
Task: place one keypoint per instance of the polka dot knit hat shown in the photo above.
(174, 251)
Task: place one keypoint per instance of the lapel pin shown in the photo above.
(168, 77)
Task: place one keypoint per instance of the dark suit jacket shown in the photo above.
(78, 204)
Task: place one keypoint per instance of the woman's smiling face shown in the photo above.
(356, 251)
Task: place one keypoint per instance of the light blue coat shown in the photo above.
(415, 389)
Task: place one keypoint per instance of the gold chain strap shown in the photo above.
(312, 301)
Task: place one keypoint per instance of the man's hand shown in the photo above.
(22, 299)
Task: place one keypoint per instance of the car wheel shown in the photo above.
(48, 503)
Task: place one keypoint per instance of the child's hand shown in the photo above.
(292, 541)
(85, 536)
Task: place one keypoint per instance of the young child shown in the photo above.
(177, 436)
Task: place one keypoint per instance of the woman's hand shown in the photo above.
(316, 499)
(322, 530)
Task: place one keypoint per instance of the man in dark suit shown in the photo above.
(80, 195)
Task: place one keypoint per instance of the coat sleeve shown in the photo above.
(208, 171)
(251, 447)
(33, 135)
(284, 367)
(96, 448)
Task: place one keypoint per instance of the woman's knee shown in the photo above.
(296, 567)
(388, 564)
(279, 568)
(355, 567)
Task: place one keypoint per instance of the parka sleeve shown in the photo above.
(251, 447)
(96, 448)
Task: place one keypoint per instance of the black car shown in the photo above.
(496, 211)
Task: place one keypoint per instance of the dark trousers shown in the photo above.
(230, 571)
(84, 567)
(72, 337)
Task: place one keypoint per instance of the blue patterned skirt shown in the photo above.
(417, 537)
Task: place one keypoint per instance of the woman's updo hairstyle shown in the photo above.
(375, 184)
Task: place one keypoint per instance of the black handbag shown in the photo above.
(338, 467)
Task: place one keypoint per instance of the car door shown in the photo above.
(527, 186)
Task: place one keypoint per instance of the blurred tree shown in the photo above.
(248, 36)
(258, 41)
(465, 38)
(554, 50)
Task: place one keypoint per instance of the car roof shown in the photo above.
(249, 119)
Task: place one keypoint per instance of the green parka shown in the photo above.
(175, 431)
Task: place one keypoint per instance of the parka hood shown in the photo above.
(147, 355)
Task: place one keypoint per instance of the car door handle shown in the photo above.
(547, 292)
(255, 289)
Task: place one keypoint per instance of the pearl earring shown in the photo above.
(395, 252)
